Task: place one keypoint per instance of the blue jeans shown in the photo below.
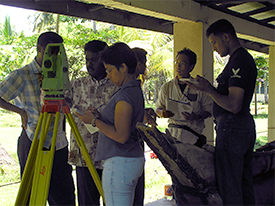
(233, 155)
(119, 179)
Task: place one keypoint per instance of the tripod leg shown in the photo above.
(85, 154)
(43, 166)
(25, 186)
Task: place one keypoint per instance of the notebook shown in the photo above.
(177, 107)
(89, 127)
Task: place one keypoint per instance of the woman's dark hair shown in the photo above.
(120, 53)
(190, 54)
(48, 37)
(220, 27)
(140, 53)
(95, 46)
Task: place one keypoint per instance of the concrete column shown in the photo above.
(271, 95)
(192, 35)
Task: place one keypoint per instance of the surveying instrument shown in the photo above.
(37, 173)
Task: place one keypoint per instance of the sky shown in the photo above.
(18, 18)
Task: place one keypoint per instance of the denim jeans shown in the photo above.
(233, 155)
(119, 179)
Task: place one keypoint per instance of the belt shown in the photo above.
(201, 138)
(227, 115)
(184, 127)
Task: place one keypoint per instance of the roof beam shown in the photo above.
(191, 10)
(152, 15)
(95, 12)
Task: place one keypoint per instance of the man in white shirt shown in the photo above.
(186, 108)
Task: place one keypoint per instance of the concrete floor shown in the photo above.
(162, 202)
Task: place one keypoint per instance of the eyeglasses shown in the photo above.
(109, 71)
(180, 63)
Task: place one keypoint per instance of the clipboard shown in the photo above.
(177, 107)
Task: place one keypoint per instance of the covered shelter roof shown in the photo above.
(256, 18)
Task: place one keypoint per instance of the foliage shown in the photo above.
(261, 61)
(263, 69)
(77, 32)
(7, 30)
(262, 64)
(159, 60)
(75, 37)
(19, 49)
(43, 20)
(64, 18)
(19, 53)
(260, 116)
(260, 141)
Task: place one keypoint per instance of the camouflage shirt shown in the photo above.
(86, 92)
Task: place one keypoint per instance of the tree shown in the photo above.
(77, 32)
(14, 56)
(15, 49)
(42, 21)
(263, 73)
(7, 30)
(159, 60)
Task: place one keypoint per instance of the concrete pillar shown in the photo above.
(271, 95)
(192, 35)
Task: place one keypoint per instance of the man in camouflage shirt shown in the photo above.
(94, 90)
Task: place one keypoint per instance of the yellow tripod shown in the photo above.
(38, 169)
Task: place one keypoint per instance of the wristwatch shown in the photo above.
(93, 121)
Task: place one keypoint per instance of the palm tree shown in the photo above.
(48, 21)
(263, 74)
(7, 30)
(160, 55)
(44, 21)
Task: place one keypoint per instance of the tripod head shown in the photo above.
(55, 71)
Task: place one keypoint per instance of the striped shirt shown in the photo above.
(22, 85)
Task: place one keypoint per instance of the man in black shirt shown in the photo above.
(235, 127)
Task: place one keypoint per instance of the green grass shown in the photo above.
(260, 141)
(260, 116)
(162, 122)
(9, 173)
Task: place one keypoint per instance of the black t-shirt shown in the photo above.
(240, 71)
